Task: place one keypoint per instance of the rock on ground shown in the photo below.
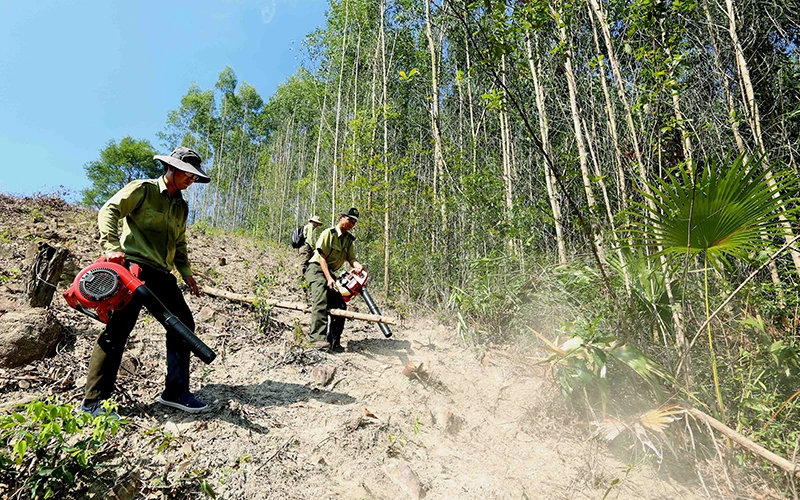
(27, 334)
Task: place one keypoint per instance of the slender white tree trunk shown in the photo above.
(544, 131)
(579, 138)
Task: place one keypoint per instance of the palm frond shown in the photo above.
(725, 213)
(659, 419)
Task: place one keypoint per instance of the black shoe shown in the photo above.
(186, 402)
(337, 348)
(95, 409)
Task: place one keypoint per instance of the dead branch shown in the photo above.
(742, 441)
(297, 306)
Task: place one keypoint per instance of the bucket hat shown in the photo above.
(315, 218)
(186, 160)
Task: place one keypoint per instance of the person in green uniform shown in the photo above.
(152, 215)
(306, 251)
(334, 247)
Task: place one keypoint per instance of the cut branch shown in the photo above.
(297, 306)
(742, 441)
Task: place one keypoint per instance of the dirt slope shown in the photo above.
(290, 422)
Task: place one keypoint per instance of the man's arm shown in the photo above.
(182, 263)
(323, 264)
(124, 201)
(181, 259)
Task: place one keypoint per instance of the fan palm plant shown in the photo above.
(725, 211)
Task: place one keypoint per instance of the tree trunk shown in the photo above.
(544, 131)
(438, 157)
(611, 116)
(597, 9)
(334, 176)
(579, 138)
(723, 76)
(755, 121)
(387, 187)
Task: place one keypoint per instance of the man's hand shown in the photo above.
(358, 268)
(115, 257)
(331, 284)
(192, 284)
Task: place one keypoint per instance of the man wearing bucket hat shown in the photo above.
(152, 215)
(307, 250)
(334, 247)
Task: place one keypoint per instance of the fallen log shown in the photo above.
(751, 446)
(297, 306)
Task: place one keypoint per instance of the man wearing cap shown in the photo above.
(333, 248)
(152, 214)
(307, 250)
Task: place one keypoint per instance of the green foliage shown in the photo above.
(648, 288)
(118, 165)
(583, 361)
(765, 372)
(36, 214)
(50, 448)
(724, 213)
(9, 275)
(491, 298)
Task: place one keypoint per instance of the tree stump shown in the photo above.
(43, 272)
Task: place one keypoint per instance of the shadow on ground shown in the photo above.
(240, 404)
(384, 347)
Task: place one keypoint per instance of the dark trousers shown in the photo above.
(304, 253)
(322, 299)
(107, 354)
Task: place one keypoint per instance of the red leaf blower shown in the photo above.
(107, 286)
(351, 284)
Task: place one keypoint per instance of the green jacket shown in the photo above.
(335, 247)
(153, 225)
(308, 233)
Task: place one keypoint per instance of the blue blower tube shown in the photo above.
(173, 324)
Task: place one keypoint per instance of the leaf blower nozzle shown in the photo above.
(374, 310)
(107, 286)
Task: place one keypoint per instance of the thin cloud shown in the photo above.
(271, 8)
(268, 11)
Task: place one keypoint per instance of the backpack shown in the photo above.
(298, 239)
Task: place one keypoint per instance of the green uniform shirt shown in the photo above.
(308, 233)
(335, 247)
(153, 225)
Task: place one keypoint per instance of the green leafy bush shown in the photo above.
(48, 447)
(491, 300)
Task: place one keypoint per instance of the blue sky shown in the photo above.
(74, 75)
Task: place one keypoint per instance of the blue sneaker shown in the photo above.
(186, 402)
(95, 409)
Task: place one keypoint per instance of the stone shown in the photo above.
(6, 251)
(28, 334)
(447, 421)
(206, 314)
(323, 374)
(402, 475)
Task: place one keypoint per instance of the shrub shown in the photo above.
(48, 447)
